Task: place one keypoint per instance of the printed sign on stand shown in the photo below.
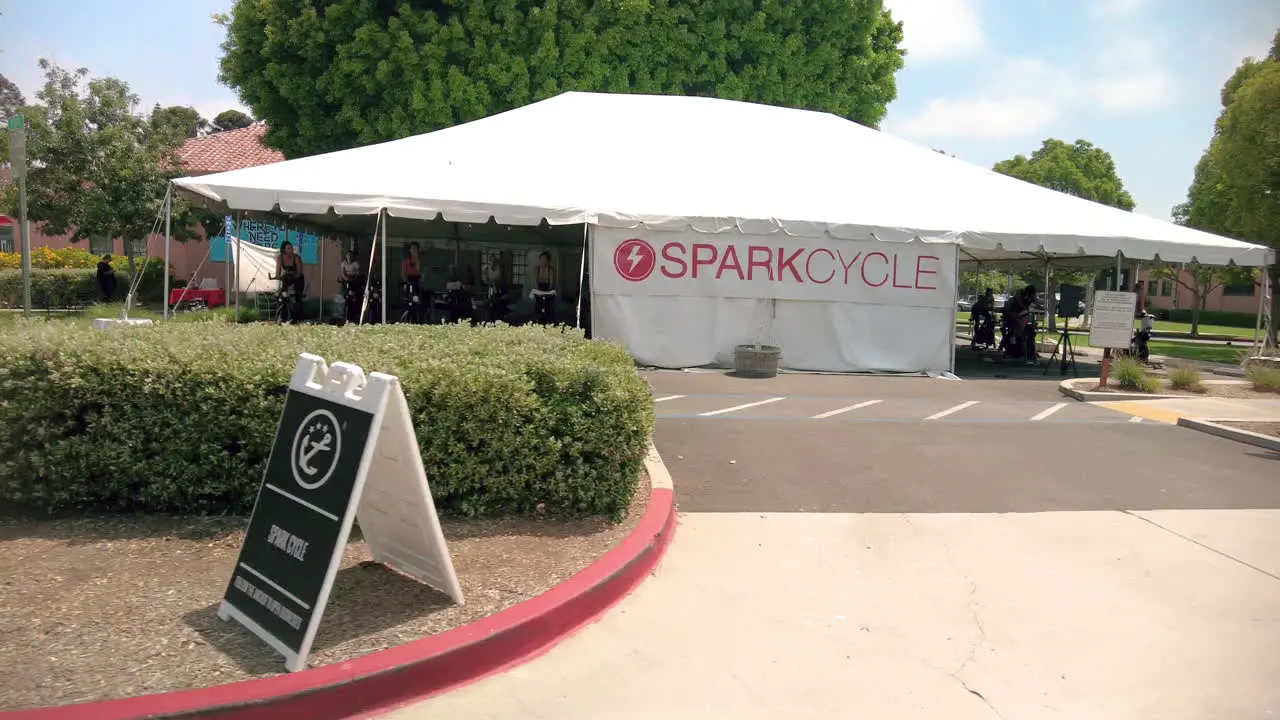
(1112, 323)
(345, 448)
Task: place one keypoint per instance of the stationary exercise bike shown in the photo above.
(287, 299)
(411, 294)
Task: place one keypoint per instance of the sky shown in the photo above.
(984, 79)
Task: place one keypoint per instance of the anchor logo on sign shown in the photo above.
(316, 447)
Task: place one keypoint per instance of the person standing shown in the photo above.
(106, 278)
(544, 290)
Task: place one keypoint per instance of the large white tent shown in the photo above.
(655, 167)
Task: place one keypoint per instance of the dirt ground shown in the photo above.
(1271, 429)
(112, 607)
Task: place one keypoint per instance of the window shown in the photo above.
(6, 238)
(102, 246)
(1238, 289)
(520, 268)
(1166, 288)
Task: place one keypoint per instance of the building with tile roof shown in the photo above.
(228, 150)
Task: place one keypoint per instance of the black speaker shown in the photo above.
(1071, 301)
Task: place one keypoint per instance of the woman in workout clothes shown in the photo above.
(289, 269)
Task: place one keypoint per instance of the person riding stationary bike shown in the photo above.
(984, 321)
(292, 283)
(411, 285)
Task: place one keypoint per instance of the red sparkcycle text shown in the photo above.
(818, 266)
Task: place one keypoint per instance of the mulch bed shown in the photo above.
(1270, 429)
(1211, 389)
(111, 607)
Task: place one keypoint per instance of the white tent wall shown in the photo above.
(254, 264)
(680, 298)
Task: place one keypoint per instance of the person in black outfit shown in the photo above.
(983, 315)
(106, 278)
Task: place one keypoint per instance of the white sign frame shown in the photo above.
(390, 495)
(1111, 325)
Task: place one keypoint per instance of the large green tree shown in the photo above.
(230, 120)
(1081, 169)
(332, 75)
(1236, 187)
(11, 99)
(178, 121)
(98, 167)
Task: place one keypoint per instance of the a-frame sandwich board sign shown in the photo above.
(344, 447)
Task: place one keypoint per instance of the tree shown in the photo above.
(98, 167)
(11, 100)
(1080, 169)
(230, 120)
(177, 122)
(1202, 280)
(329, 76)
(1236, 187)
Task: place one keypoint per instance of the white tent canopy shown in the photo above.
(710, 165)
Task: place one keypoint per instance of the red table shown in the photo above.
(213, 298)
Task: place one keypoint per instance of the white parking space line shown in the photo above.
(1135, 419)
(1046, 413)
(833, 413)
(735, 408)
(950, 411)
(669, 397)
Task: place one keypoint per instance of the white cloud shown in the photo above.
(981, 119)
(1116, 8)
(1025, 95)
(939, 29)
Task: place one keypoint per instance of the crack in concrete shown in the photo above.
(1193, 541)
(972, 654)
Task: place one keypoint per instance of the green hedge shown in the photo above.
(50, 288)
(77, 287)
(179, 417)
(1209, 317)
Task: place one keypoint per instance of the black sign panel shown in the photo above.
(297, 521)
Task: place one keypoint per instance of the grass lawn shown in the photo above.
(1166, 326)
(1228, 355)
(85, 317)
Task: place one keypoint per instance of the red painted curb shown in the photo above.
(388, 678)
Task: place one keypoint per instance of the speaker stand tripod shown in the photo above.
(1064, 350)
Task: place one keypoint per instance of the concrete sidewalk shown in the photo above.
(1171, 409)
(1102, 615)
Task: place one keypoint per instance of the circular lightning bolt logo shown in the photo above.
(635, 259)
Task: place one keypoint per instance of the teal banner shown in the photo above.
(267, 235)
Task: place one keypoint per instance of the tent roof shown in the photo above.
(670, 162)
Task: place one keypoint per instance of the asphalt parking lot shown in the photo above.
(815, 443)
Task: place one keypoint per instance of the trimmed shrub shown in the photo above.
(179, 417)
(1186, 378)
(77, 287)
(50, 288)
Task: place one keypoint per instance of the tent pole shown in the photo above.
(239, 257)
(320, 248)
(582, 277)
(168, 239)
(955, 311)
(384, 265)
(1262, 300)
(1119, 266)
